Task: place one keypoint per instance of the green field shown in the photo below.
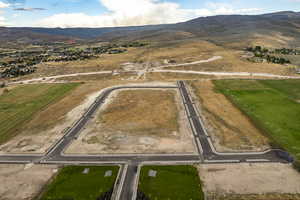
(273, 106)
(171, 183)
(20, 104)
(72, 184)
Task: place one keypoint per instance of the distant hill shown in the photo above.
(281, 28)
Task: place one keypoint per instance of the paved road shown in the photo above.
(206, 152)
(57, 150)
(129, 186)
(20, 159)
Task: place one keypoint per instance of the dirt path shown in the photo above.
(214, 58)
(246, 74)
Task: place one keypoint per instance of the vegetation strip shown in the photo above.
(82, 183)
(155, 183)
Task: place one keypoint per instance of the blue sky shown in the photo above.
(110, 13)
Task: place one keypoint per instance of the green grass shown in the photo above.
(288, 87)
(171, 183)
(21, 103)
(72, 184)
(271, 105)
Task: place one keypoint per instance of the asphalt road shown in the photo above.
(206, 152)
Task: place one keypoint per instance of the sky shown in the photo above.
(112, 13)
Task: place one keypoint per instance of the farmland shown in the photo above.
(19, 105)
(273, 106)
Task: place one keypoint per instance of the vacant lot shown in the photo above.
(21, 103)
(23, 182)
(272, 105)
(230, 128)
(47, 125)
(81, 183)
(137, 121)
(267, 181)
(145, 111)
(171, 182)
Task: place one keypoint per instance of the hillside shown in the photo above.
(282, 28)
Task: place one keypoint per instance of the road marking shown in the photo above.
(121, 182)
(257, 160)
(222, 161)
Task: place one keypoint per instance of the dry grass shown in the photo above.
(103, 63)
(48, 124)
(137, 121)
(181, 51)
(233, 62)
(187, 51)
(57, 113)
(142, 111)
(230, 128)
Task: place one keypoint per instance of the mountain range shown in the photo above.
(281, 28)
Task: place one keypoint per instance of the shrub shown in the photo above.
(296, 165)
(5, 91)
(2, 85)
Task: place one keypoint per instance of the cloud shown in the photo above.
(137, 12)
(29, 9)
(3, 21)
(16, 2)
(3, 5)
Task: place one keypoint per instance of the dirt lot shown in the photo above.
(231, 130)
(48, 125)
(245, 179)
(137, 121)
(23, 182)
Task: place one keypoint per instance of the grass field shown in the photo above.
(171, 182)
(21, 103)
(72, 183)
(272, 105)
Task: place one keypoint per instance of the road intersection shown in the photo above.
(127, 181)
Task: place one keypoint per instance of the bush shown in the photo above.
(5, 91)
(296, 165)
(2, 85)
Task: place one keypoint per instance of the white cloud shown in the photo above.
(137, 12)
(3, 5)
(3, 21)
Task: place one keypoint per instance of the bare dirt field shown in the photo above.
(261, 181)
(24, 182)
(137, 121)
(230, 128)
(47, 126)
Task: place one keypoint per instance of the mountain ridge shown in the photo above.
(286, 23)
